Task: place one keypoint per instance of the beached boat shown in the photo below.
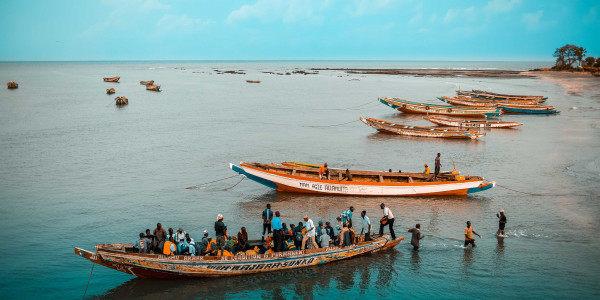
(110, 91)
(422, 131)
(12, 85)
(149, 82)
(122, 257)
(112, 79)
(477, 102)
(528, 109)
(253, 81)
(155, 88)
(434, 109)
(121, 100)
(492, 96)
(300, 179)
(471, 123)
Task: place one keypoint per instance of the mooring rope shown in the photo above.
(243, 177)
(316, 126)
(532, 194)
(365, 104)
(88, 283)
(205, 183)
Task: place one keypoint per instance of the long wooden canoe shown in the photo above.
(499, 95)
(122, 257)
(528, 109)
(422, 131)
(477, 102)
(493, 96)
(360, 183)
(510, 106)
(110, 91)
(434, 109)
(155, 88)
(149, 82)
(112, 79)
(462, 123)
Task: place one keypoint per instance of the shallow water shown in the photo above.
(75, 170)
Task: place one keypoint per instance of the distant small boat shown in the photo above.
(434, 109)
(121, 100)
(422, 131)
(110, 91)
(528, 109)
(149, 82)
(495, 96)
(253, 81)
(12, 85)
(354, 79)
(112, 79)
(155, 88)
(471, 123)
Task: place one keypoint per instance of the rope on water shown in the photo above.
(532, 194)
(88, 283)
(226, 189)
(316, 126)
(365, 104)
(205, 183)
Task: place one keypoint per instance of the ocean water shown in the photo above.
(76, 170)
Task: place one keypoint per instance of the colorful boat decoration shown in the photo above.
(253, 81)
(528, 109)
(422, 131)
(122, 257)
(155, 88)
(121, 100)
(434, 109)
(495, 96)
(12, 85)
(110, 91)
(112, 79)
(300, 179)
(149, 82)
(476, 102)
(471, 123)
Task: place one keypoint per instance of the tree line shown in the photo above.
(571, 57)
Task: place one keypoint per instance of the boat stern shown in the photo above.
(260, 180)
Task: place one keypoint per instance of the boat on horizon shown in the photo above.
(124, 258)
(112, 79)
(472, 123)
(253, 81)
(286, 177)
(422, 131)
(435, 109)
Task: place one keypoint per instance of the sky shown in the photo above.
(466, 30)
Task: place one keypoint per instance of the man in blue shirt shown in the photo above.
(277, 232)
(346, 217)
(267, 216)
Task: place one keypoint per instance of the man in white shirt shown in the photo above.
(366, 224)
(388, 219)
(310, 232)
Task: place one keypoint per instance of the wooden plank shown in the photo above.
(410, 180)
(380, 178)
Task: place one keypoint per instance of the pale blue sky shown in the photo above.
(296, 29)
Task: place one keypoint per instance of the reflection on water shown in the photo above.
(415, 261)
(467, 261)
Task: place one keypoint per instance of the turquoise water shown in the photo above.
(75, 171)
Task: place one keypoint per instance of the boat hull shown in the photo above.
(180, 266)
(402, 129)
(298, 184)
(472, 123)
(432, 109)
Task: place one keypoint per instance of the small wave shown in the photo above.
(524, 234)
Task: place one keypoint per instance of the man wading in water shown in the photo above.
(416, 236)
(501, 223)
(469, 235)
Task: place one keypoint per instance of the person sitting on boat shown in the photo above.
(220, 232)
(298, 234)
(330, 232)
(211, 248)
(142, 244)
(289, 245)
(203, 245)
(171, 234)
(323, 171)
(159, 238)
(310, 233)
(319, 233)
(149, 236)
(230, 243)
(345, 239)
(180, 235)
(427, 170)
(242, 237)
(285, 231)
(324, 236)
(169, 248)
(346, 216)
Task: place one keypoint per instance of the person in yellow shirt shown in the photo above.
(427, 170)
(323, 171)
(469, 235)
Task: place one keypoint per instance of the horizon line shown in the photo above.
(267, 60)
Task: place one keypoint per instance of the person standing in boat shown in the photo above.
(220, 233)
(438, 165)
(387, 220)
(366, 224)
(142, 244)
(469, 235)
(501, 223)
(346, 216)
(267, 216)
(416, 236)
(324, 242)
(159, 238)
(277, 232)
(310, 233)
(324, 171)
(203, 245)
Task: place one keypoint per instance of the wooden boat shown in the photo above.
(471, 123)
(112, 79)
(422, 131)
(300, 179)
(492, 96)
(434, 109)
(155, 88)
(477, 102)
(528, 109)
(149, 82)
(110, 91)
(121, 100)
(122, 257)
(253, 81)
(12, 85)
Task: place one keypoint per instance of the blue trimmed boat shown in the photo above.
(496, 96)
(528, 109)
(434, 109)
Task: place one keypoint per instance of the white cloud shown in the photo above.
(285, 11)
(181, 24)
(364, 7)
(453, 13)
(532, 20)
(501, 5)
(154, 5)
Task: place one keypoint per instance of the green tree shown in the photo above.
(567, 55)
(589, 61)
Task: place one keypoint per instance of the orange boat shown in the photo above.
(12, 85)
(121, 100)
(110, 91)
(253, 81)
(149, 82)
(112, 79)
(155, 88)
